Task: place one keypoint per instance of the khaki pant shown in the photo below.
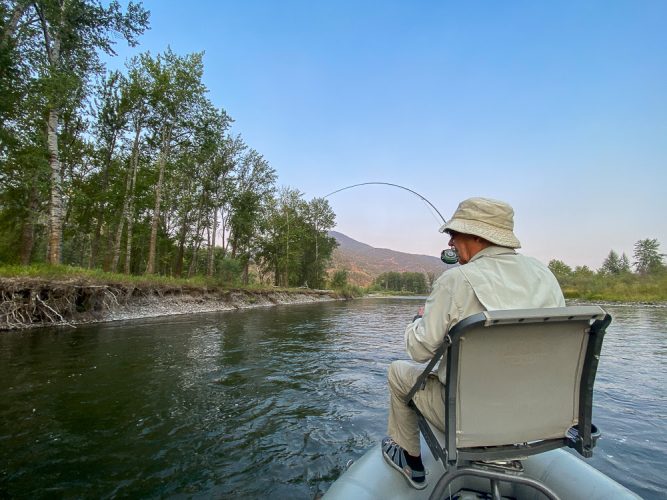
(403, 426)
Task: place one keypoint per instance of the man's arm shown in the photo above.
(425, 334)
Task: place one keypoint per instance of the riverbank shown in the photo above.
(34, 302)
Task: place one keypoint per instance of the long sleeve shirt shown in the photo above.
(495, 278)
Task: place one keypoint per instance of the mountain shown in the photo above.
(364, 262)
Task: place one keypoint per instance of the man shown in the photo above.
(492, 276)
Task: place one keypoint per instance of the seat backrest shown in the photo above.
(521, 376)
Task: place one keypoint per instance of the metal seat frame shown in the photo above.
(465, 461)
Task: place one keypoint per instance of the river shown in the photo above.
(262, 402)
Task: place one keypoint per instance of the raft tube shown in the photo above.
(568, 476)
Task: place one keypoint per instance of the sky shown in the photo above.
(558, 108)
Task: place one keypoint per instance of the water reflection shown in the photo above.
(260, 402)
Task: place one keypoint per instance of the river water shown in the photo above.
(262, 402)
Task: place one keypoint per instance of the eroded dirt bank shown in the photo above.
(29, 303)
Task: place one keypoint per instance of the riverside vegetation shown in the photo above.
(645, 280)
(43, 295)
(136, 171)
(617, 280)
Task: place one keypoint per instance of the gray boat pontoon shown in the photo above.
(519, 390)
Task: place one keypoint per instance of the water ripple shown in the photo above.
(269, 402)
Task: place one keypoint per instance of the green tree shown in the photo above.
(108, 128)
(295, 245)
(413, 282)
(339, 279)
(73, 32)
(318, 244)
(612, 264)
(561, 270)
(648, 259)
(176, 96)
(220, 190)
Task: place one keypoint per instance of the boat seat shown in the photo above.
(519, 382)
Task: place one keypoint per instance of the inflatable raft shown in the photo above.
(519, 393)
(568, 476)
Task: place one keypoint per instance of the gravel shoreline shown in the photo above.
(39, 303)
(150, 307)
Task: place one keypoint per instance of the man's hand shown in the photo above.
(419, 314)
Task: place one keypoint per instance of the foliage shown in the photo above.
(410, 282)
(648, 260)
(295, 247)
(135, 170)
(350, 291)
(339, 279)
(615, 281)
(561, 270)
(614, 265)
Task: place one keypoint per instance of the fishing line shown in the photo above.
(448, 255)
(394, 185)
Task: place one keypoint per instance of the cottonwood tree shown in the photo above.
(109, 128)
(319, 246)
(134, 102)
(176, 95)
(196, 176)
(254, 183)
(560, 269)
(295, 245)
(24, 181)
(648, 259)
(73, 34)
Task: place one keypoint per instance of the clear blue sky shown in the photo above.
(559, 108)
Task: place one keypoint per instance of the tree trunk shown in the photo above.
(129, 216)
(102, 210)
(55, 222)
(211, 248)
(13, 22)
(317, 259)
(128, 243)
(121, 224)
(246, 265)
(178, 268)
(55, 235)
(28, 230)
(162, 162)
(193, 262)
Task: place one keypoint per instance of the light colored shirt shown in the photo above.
(495, 278)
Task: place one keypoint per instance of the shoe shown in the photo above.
(395, 456)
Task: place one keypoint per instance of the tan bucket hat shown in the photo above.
(490, 219)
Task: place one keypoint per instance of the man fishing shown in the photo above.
(491, 276)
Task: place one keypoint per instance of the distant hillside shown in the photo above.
(364, 262)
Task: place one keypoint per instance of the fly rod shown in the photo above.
(449, 255)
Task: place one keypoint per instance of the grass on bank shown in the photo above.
(68, 273)
(48, 272)
(64, 273)
(621, 288)
(627, 287)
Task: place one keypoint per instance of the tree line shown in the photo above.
(135, 171)
(412, 282)
(645, 278)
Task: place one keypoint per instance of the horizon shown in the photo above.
(557, 109)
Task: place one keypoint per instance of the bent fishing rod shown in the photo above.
(448, 255)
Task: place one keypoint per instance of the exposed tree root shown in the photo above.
(27, 303)
(24, 305)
